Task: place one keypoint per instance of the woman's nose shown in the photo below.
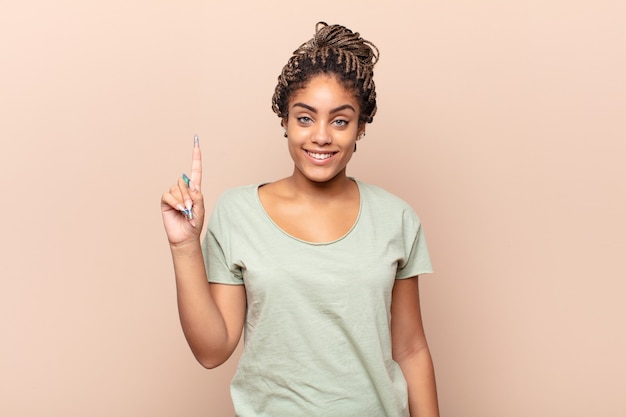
(322, 136)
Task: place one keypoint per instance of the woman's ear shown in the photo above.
(283, 123)
(361, 132)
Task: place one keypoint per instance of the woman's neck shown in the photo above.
(339, 186)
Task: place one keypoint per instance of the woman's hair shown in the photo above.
(333, 50)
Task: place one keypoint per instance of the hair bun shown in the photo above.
(340, 38)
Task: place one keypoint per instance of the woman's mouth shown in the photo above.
(320, 156)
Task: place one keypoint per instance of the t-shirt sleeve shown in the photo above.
(417, 258)
(216, 250)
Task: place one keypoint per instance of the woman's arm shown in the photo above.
(410, 349)
(211, 315)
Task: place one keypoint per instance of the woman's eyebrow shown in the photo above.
(314, 110)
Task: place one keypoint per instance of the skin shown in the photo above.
(322, 129)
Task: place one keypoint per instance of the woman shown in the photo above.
(319, 268)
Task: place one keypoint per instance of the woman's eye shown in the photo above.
(341, 122)
(304, 119)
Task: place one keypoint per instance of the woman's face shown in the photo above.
(322, 128)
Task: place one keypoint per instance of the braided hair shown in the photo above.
(334, 50)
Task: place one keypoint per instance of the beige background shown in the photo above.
(501, 122)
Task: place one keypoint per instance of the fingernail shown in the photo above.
(187, 213)
(186, 179)
(196, 141)
(180, 207)
(188, 204)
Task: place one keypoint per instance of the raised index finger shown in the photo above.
(196, 163)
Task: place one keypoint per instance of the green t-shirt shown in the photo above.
(317, 327)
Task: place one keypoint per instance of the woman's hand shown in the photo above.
(179, 227)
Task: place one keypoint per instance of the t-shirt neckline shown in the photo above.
(306, 242)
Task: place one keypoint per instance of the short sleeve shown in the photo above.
(216, 250)
(417, 259)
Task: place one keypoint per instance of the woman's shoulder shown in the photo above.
(387, 207)
(376, 194)
(237, 196)
(236, 205)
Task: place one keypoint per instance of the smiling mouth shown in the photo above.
(320, 156)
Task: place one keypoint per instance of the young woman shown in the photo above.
(320, 268)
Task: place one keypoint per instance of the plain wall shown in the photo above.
(501, 122)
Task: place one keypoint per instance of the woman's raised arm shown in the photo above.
(211, 315)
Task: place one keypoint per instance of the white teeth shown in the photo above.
(320, 156)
